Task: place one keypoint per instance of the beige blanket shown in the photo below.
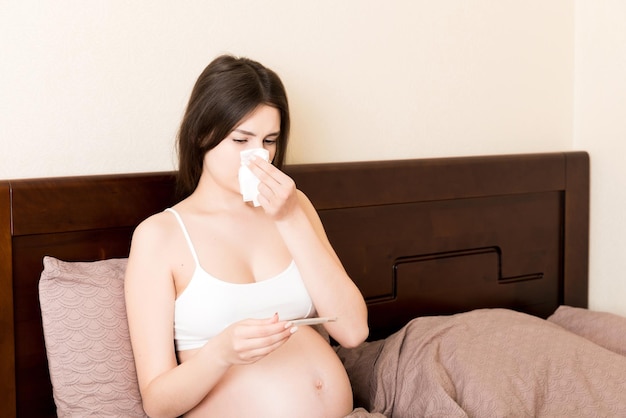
(487, 363)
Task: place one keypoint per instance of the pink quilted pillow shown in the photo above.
(603, 328)
(87, 342)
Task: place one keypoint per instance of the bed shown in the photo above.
(421, 238)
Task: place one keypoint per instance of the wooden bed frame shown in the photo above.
(419, 237)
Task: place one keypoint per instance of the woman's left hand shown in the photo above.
(277, 191)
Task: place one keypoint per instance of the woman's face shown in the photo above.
(260, 129)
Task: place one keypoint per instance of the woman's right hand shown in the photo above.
(250, 340)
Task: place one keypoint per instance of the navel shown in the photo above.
(319, 384)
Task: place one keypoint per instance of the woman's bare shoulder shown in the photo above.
(151, 249)
(156, 230)
(154, 220)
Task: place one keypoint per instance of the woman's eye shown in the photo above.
(240, 141)
(269, 141)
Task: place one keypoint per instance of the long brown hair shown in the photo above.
(228, 90)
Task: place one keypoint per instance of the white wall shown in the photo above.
(100, 86)
(600, 128)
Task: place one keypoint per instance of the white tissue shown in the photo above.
(248, 182)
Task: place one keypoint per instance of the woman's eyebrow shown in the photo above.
(244, 132)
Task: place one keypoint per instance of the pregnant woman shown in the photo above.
(213, 283)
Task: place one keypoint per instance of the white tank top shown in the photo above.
(208, 305)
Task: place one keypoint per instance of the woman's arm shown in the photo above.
(333, 292)
(169, 389)
(150, 296)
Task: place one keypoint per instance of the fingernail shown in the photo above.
(293, 329)
(287, 324)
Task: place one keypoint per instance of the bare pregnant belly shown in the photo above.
(303, 378)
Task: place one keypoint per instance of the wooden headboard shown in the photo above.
(419, 237)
